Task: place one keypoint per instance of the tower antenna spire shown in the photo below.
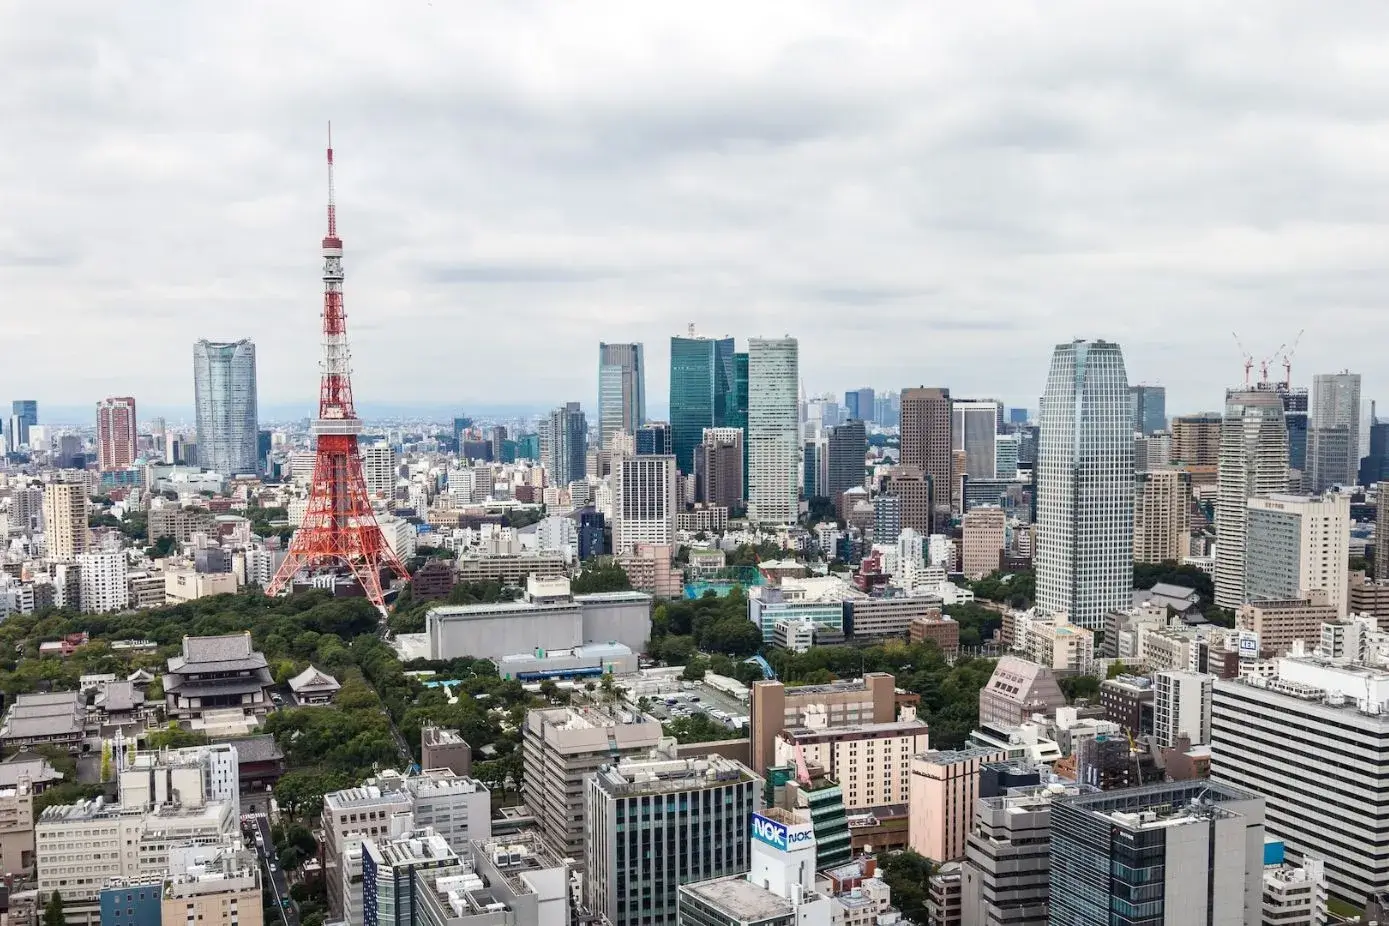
(332, 197)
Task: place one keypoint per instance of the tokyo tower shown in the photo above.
(339, 528)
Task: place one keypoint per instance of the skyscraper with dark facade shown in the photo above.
(703, 390)
(859, 403)
(1148, 406)
(848, 446)
(653, 439)
(926, 446)
(568, 450)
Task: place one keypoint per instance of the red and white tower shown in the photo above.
(339, 528)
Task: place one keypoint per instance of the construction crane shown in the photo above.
(1288, 359)
(1248, 357)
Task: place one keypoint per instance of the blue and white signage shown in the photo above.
(1248, 644)
(768, 831)
(780, 836)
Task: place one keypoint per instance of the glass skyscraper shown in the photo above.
(567, 460)
(224, 385)
(1085, 485)
(1149, 407)
(621, 390)
(703, 383)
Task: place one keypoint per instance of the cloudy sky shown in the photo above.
(922, 192)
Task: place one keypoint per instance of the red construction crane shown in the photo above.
(1288, 359)
(1248, 357)
(339, 530)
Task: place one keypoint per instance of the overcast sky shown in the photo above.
(923, 193)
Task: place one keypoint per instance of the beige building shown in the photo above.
(943, 792)
(1196, 439)
(871, 762)
(1063, 647)
(774, 707)
(17, 829)
(982, 540)
(1017, 690)
(1162, 649)
(1279, 623)
(650, 568)
(1371, 596)
(222, 892)
(909, 484)
(179, 523)
(564, 746)
(182, 585)
(65, 531)
(1296, 545)
(1161, 515)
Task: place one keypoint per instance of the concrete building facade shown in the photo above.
(982, 540)
(942, 795)
(1298, 545)
(1161, 515)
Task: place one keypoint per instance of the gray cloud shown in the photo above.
(921, 192)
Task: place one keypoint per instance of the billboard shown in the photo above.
(780, 836)
(1248, 644)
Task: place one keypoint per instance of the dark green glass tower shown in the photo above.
(702, 387)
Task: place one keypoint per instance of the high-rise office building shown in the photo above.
(115, 433)
(621, 390)
(737, 416)
(981, 540)
(24, 414)
(1313, 741)
(925, 444)
(1148, 406)
(1161, 515)
(1006, 448)
(65, 521)
(773, 430)
(461, 424)
(1084, 556)
(644, 501)
(1296, 545)
(1382, 533)
(703, 388)
(1253, 461)
(1333, 438)
(859, 403)
(719, 468)
(846, 449)
(1295, 417)
(657, 823)
(1208, 839)
(224, 385)
(974, 431)
(653, 439)
(568, 450)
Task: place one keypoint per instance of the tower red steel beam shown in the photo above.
(339, 528)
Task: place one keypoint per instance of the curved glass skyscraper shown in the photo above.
(224, 385)
(1084, 553)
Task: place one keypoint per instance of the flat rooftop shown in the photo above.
(739, 899)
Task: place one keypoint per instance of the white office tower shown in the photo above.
(644, 501)
(104, 584)
(974, 432)
(1182, 707)
(378, 464)
(1314, 741)
(1253, 461)
(1298, 545)
(1294, 895)
(773, 430)
(1084, 556)
(460, 484)
(1333, 438)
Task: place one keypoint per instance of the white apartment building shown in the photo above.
(104, 583)
(558, 534)
(1298, 545)
(1295, 896)
(774, 445)
(872, 762)
(1313, 740)
(644, 501)
(1182, 707)
(379, 467)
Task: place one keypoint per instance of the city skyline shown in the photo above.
(986, 212)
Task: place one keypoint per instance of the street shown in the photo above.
(279, 886)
